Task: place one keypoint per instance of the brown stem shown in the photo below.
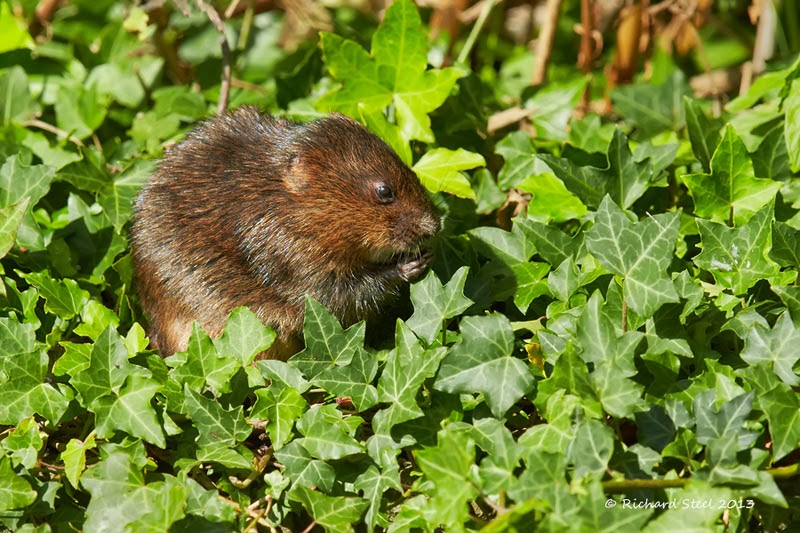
(36, 123)
(624, 315)
(586, 55)
(544, 45)
(225, 87)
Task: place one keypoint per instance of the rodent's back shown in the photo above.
(257, 211)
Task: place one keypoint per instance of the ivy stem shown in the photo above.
(476, 29)
(624, 315)
(615, 487)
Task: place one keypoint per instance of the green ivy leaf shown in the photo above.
(18, 181)
(785, 245)
(15, 491)
(730, 191)
(17, 103)
(373, 484)
(625, 179)
(703, 133)
(130, 411)
(327, 344)
(447, 466)
(334, 513)
(74, 457)
(407, 366)
(737, 257)
(281, 409)
(244, 336)
(439, 170)
(435, 303)
(591, 448)
(612, 358)
(394, 72)
(639, 252)
(324, 434)
(771, 160)
(303, 470)
(482, 362)
(550, 199)
(217, 425)
(778, 348)
(203, 364)
(353, 380)
(10, 219)
(520, 159)
(108, 368)
(652, 109)
(791, 106)
(781, 405)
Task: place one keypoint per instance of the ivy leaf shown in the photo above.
(639, 252)
(303, 470)
(217, 425)
(730, 191)
(447, 466)
(18, 181)
(25, 390)
(334, 513)
(652, 109)
(771, 160)
(791, 106)
(108, 368)
(74, 457)
(373, 484)
(553, 106)
(15, 491)
(281, 409)
(781, 405)
(244, 336)
(346, 60)
(15, 98)
(130, 411)
(116, 198)
(353, 380)
(778, 348)
(737, 257)
(63, 298)
(551, 243)
(393, 72)
(434, 303)
(591, 448)
(327, 344)
(785, 245)
(439, 170)
(726, 422)
(324, 435)
(550, 199)
(10, 219)
(482, 362)
(520, 159)
(204, 365)
(625, 179)
(408, 365)
(703, 134)
(612, 358)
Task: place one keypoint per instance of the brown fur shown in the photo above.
(257, 211)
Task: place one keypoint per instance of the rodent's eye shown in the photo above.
(384, 193)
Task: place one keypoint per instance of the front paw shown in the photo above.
(411, 267)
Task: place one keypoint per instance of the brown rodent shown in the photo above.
(257, 211)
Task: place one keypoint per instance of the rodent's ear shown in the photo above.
(295, 180)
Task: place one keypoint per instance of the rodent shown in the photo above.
(258, 211)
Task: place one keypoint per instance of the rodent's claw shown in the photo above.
(410, 268)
